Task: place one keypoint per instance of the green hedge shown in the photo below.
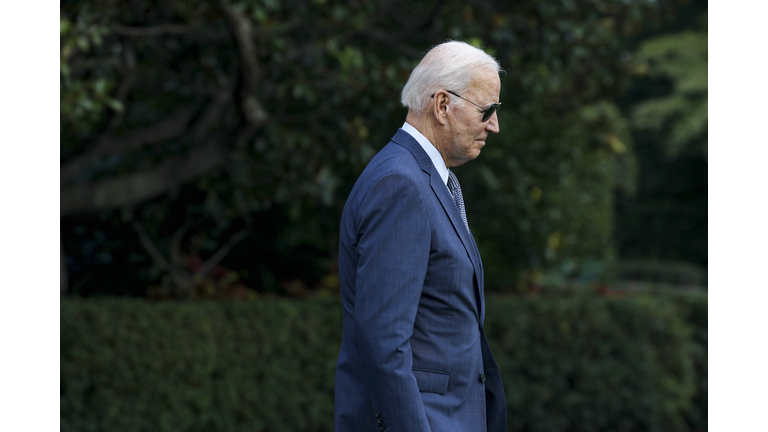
(693, 310)
(578, 363)
(590, 363)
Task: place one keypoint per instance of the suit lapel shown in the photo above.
(480, 280)
(453, 214)
(446, 200)
(466, 238)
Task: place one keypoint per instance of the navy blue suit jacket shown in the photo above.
(414, 356)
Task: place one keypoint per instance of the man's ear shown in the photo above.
(440, 104)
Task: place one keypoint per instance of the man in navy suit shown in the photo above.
(414, 356)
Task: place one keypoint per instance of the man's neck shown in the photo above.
(426, 128)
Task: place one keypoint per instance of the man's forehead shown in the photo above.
(486, 83)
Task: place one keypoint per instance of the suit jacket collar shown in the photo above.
(404, 139)
(430, 149)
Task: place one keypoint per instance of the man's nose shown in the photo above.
(493, 124)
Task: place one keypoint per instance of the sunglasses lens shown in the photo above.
(493, 108)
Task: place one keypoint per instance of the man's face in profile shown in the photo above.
(467, 130)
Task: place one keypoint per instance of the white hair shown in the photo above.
(450, 66)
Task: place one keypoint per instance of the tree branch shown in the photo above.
(128, 70)
(149, 245)
(181, 280)
(213, 109)
(134, 188)
(253, 111)
(151, 31)
(170, 127)
(176, 247)
(221, 253)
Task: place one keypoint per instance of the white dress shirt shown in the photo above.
(437, 159)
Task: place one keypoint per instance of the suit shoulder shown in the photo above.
(393, 158)
(395, 167)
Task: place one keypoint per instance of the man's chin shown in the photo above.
(479, 148)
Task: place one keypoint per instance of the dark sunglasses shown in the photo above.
(487, 112)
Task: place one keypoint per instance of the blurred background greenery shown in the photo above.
(208, 147)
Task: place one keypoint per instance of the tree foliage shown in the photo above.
(682, 113)
(667, 107)
(208, 118)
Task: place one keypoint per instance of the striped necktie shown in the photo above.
(458, 198)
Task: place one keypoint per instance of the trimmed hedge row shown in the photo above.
(577, 363)
(595, 364)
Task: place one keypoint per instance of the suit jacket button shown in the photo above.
(377, 413)
(379, 420)
(482, 377)
(381, 427)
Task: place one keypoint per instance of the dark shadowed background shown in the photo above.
(208, 147)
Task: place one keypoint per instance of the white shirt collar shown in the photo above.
(437, 159)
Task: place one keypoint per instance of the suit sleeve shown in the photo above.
(393, 255)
